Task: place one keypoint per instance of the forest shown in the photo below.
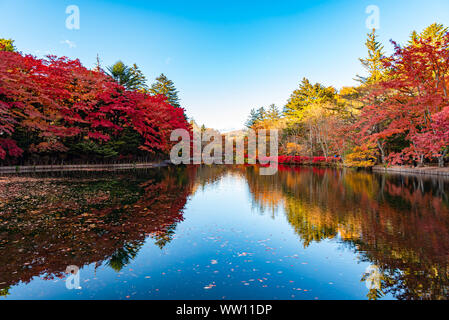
(55, 110)
(397, 115)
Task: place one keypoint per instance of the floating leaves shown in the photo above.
(209, 286)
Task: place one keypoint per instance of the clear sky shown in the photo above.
(225, 57)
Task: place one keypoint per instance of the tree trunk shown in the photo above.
(421, 161)
(382, 152)
(441, 159)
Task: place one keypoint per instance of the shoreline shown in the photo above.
(432, 171)
(405, 170)
(83, 167)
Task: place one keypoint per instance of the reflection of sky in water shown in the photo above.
(224, 249)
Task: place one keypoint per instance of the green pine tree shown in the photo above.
(260, 114)
(139, 82)
(273, 113)
(167, 88)
(251, 119)
(129, 77)
(373, 63)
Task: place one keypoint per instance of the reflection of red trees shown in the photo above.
(43, 239)
(299, 160)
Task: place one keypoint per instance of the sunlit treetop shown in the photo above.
(131, 78)
(7, 45)
(306, 95)
(435, 32)
(373, 62)
(166, 87)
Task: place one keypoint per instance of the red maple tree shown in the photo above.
(58, 98)
(411, 101)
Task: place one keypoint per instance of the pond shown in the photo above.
(224, 232)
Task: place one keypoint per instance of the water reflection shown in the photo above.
(398, 224)
(49, 223)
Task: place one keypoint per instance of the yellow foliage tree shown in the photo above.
(361, 157)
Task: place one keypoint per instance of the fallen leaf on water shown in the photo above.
(210, 286)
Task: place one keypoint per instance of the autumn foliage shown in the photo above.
(412, 105)
(300, 160)
(55, 106)
(399, 114)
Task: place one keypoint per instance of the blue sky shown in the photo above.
(225, 57)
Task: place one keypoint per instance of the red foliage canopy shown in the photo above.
(413, 101)
(59, 98)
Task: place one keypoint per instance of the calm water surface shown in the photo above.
(224, 233)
